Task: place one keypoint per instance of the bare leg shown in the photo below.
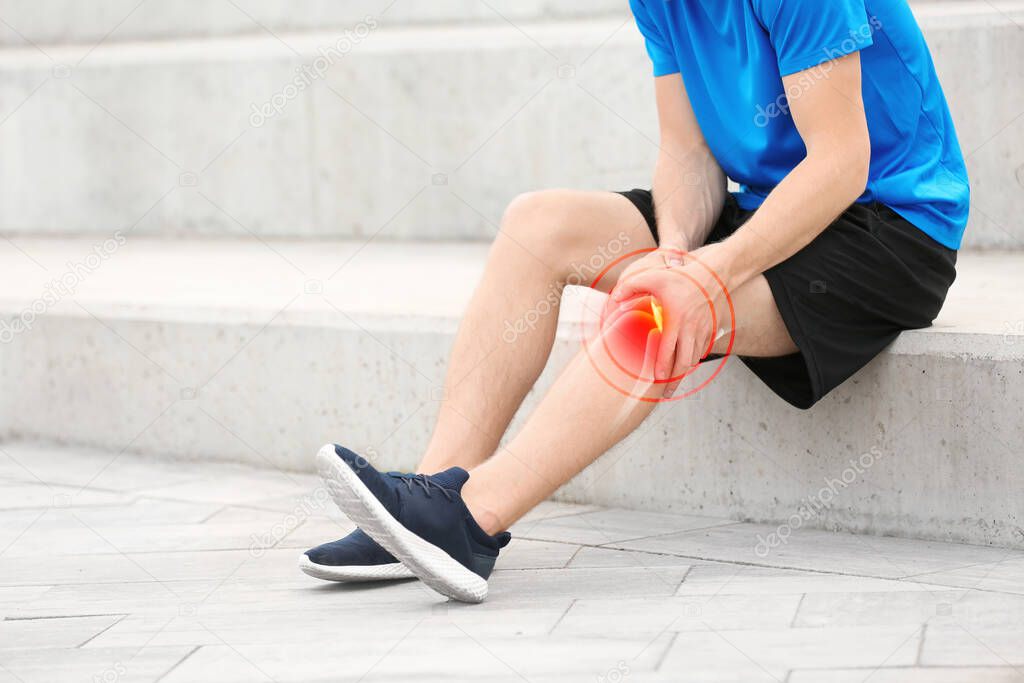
(544, 235)
(582, 416)
(546, 239)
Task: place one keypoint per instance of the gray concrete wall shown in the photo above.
(50, 22)
(940, 431)
(413, 122)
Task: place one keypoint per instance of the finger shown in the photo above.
(712, 330)
(678, 368)
(634, 286)
(704, 350)
(666, 352)
(614, 310)
(695, 351)
(650, 354)
(687, 356)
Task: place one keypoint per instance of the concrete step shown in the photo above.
(410, 122)
(257, 352)
(49, 22)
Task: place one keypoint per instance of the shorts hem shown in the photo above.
(866, 255)
(636, 198)
(792, 395)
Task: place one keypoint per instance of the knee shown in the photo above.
(544, 222)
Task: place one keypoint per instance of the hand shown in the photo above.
(664, 256)
(690, 316)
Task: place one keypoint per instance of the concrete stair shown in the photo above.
(296, 274)
(421, 118)
(68, 22)
(257, 352)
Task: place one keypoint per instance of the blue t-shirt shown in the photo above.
(732, 55)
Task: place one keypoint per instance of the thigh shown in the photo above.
(760, 329)
(621, 224)
(578, 233)
(609, 219)
(848, 294)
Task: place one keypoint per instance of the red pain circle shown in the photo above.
(686, 373)
(721, 362)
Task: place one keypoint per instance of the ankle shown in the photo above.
(489, 519)
(434, 463)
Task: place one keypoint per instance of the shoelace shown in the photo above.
(424, 483)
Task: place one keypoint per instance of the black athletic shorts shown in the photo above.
(845, 296)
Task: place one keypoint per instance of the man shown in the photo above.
(852, 201)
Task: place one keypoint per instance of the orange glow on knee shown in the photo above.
(633, 331)
(656, 311)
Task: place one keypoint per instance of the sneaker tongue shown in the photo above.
(452, 478)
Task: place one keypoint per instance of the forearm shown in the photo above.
(689, 191)
(807, 201)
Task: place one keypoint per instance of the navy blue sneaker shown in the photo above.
(420, 519)
(357, 557)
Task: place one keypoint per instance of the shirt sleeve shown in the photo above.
(658, 47)
(806, 33)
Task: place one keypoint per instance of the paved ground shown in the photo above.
(116, 568)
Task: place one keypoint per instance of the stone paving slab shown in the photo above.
(526, 554)
(594, 556)
(610, 525)
(1005, 575)
(70, 664)
(602, 618)
(848, 553)
(914, 674)
(959, 644)
(194, 579)
(419, 656)
(733, 579)
(874, 609)
(64, 632)
(100, 470)
(21, 496)
(765, 655)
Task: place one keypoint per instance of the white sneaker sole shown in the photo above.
(431, 564)
(355, 573)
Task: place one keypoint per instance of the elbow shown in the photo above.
(859, 168)
(848, 165)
